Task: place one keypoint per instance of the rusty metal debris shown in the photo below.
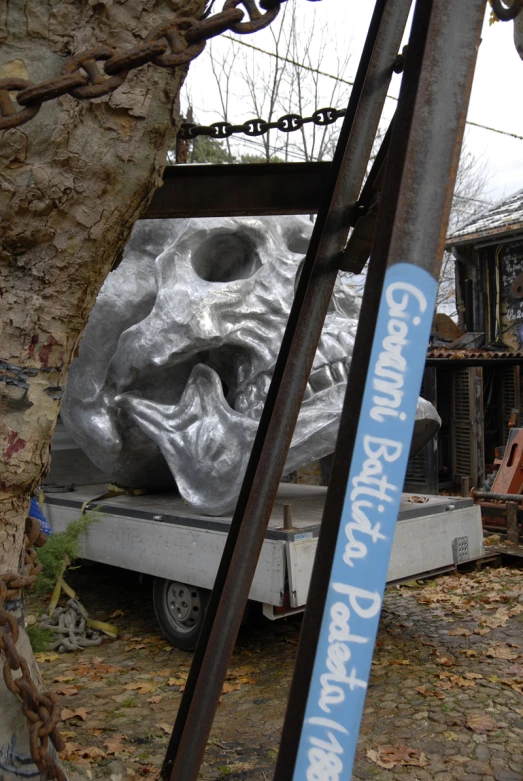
(42, 709)
(169, 45)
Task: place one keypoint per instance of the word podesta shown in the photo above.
(357, 582)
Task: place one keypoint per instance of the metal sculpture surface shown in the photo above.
(177, 357)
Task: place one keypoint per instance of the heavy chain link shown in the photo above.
(169, 45)
(288, 123)
(506, 13)
(41, 709)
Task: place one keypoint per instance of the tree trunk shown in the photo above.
(72, 183)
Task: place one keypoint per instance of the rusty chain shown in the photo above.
(41, 709)
(169, 45)
(506, 13)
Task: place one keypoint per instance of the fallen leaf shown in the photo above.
(67, 691)
(472, 676)
(177, 681)
(495, 621)
(375, 757)
(480, 723)
(388, 756)
(229, 687)
(450, 735)
(114, 745)
(445, 661)
(155, 699)
(482, 632)
(46, 657)
(63, 678)
(430, 692)
(167, 728)
(91, 752)
(80, 713)
(460, 631)
(163, 673)
(142, 687)
(501, 653)
(516, 669)
(117, 613)
(469, 653)
(463, 682)
(517, 686)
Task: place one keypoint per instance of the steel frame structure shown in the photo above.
(409, 199)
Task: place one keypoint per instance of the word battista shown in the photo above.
(373, 490)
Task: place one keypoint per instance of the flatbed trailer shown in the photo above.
(159, 535)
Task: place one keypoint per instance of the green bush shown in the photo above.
(59, 547)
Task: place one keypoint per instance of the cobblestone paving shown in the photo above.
(445, 700)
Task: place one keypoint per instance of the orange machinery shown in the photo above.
(507, 485)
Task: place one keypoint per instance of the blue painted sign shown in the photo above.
(352, 610)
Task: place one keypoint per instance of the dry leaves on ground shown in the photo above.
(481, 723)
(79, 713)
(141, 687)
(388, 757)
(430, 692)
(501, 652)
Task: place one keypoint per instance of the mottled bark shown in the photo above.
(72, 183)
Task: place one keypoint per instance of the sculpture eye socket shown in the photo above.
(225, 257)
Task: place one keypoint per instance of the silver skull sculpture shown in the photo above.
(177, 357)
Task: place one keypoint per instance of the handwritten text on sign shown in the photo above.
(350, 622)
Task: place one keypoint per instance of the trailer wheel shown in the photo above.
(179, 610)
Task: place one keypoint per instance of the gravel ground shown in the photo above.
(445, 699)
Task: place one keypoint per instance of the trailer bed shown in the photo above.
(159, 535)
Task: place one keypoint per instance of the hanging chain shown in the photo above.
(169, 45)
(41, 709)
(257, 127)
(506, 13)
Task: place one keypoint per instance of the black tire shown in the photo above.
(180, 610)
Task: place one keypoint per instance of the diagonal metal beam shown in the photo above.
(283, 403)
(409, 243)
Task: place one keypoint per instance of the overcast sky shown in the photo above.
(497, 95)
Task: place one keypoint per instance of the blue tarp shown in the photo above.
(35, 512)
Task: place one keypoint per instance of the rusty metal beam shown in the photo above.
(424, 166)
(283, 402)
(239, 190)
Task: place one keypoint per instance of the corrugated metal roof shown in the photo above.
(504, 219)
(474, 354)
